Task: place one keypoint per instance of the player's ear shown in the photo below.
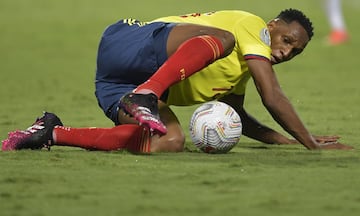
(271, 24)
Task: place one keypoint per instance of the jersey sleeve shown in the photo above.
(253, 38)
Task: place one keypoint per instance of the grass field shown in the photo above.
(47, 62)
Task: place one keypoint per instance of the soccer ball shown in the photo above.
(215, 127)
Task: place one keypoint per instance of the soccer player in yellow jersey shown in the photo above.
(143, 67)
(230, 74)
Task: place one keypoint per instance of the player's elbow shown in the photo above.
(271, 97)
(271, 102)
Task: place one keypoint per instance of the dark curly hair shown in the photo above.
(290, 15)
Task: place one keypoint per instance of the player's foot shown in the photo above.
(144, 108)
(37, 136)
(337, 37)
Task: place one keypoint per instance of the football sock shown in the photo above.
(335, 16)
(191, 56)
(132, 137)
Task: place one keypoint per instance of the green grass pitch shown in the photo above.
(47, 62)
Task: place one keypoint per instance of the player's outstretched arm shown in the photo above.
(280, 107)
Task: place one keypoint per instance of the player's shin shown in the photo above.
(133, 137)
(141, 142)
(192, 56)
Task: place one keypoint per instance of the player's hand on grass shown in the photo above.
(331, 142)
(325, 142)
(326, 139)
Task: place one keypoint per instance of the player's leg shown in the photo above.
(338, 33)
(181, 33)
(173, 140)
(190, 48)
(117, 57)
(129, 136)
(48, 131)
(108, 95)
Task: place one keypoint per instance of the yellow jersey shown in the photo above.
(229, 74)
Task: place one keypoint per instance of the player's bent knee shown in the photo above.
(178, 145)
(228, 41)
(175, 144)
(168, 144)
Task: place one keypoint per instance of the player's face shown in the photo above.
(287, 40)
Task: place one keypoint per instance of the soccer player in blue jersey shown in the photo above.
(144, 67)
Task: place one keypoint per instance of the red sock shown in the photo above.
(132, 137)
(192, 56)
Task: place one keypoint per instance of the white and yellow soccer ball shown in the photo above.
(215, 127)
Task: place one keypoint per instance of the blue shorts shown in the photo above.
(128, 55)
